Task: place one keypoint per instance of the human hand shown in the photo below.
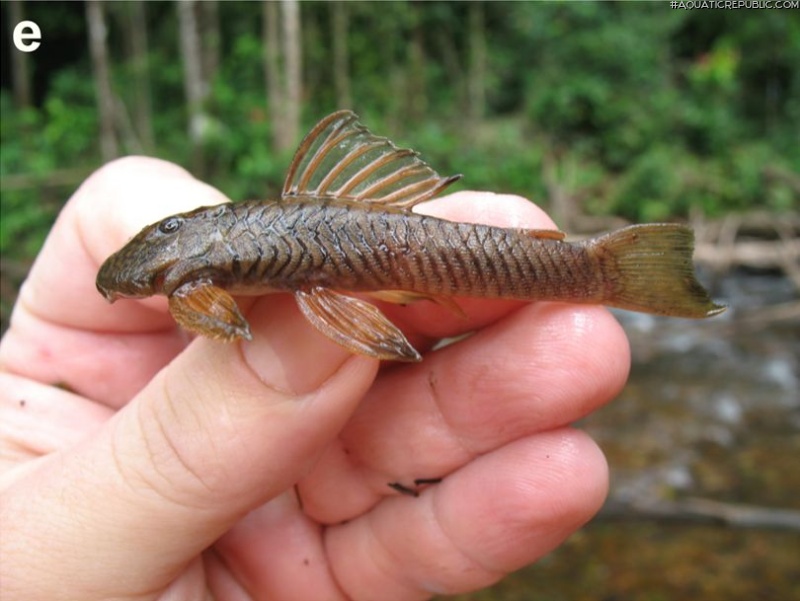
(140, 464)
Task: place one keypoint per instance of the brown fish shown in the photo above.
(344, 224)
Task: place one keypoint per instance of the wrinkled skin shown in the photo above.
(140, 464)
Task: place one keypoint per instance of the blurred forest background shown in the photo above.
(634, 110)
(600, 112)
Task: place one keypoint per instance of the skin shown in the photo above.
(140, 464)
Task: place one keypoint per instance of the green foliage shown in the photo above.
(673, 129)
(657, 112)
(596, 83)
(59, 134)
(70, 128)
(24, 225)
(238, 145)
(35, 143)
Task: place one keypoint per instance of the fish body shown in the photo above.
(344, 224)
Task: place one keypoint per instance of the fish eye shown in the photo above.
(170, 225)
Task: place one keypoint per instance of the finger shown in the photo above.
(217, 433)
(62, 330)
(36, 419)
(540, 368)
(278, 551)
(501, 210)
(554, 364)
(495, 515)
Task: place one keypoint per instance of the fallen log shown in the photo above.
(755, 240)
(706, 511)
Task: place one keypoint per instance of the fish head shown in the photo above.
(163, 255)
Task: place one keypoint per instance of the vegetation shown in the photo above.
(627, 109)
(603, 109)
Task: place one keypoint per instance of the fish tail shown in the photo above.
(649, 268)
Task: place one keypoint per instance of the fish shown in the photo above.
(343, 231)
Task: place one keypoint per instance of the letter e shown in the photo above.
(27, 30)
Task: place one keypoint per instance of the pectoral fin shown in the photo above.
(355, 324)
(206, 309)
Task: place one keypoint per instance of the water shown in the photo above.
(703, 395)
(711, 412)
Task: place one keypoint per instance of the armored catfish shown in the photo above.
(344, 225)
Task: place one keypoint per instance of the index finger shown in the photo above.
(62, 331)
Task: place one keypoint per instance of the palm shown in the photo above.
(273, 463)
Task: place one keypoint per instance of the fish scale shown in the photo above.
(366, 249)
(344, 224)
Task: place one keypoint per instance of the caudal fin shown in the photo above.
(649, 268)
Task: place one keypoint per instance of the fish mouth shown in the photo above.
(110, 295)
(114, 286)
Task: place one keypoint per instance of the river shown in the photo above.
(711, 412)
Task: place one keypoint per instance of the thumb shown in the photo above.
(219, 431)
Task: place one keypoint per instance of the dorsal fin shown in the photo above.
(341, 159)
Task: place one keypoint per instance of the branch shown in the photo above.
(704, 511)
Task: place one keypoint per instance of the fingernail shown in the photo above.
(287, 352)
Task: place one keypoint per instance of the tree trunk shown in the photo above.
(19, 61)
(341, 58)
(102, 78)
(194, 86)
(208, 18)
(477, 65)
(137, 48)
(391, 53)
(283, 70)
(455, 71)
(292, 51)
(416, 89)
(272, 72)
